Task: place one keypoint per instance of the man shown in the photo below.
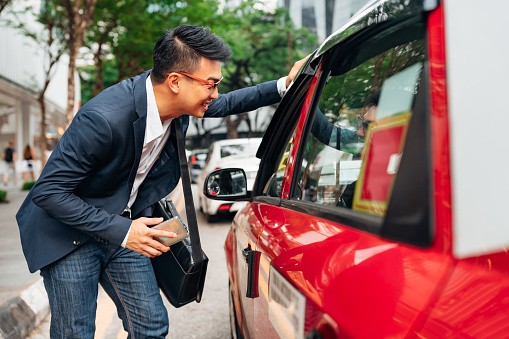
(368, 116)
(86, 220)
(9, 157)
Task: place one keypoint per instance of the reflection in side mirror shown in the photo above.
(230, 182)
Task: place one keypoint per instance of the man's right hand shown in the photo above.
(143, 239)
(296, 67)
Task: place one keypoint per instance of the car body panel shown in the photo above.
(472, 305)
(375, 280)
(440, 132)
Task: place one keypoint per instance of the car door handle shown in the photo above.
(252, 259)
(245, 253)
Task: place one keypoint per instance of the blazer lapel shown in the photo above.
(140, 101)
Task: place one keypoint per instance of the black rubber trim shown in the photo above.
(343, 216)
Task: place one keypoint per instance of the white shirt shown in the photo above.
(156, 135)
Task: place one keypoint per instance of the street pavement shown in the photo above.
(24, 310)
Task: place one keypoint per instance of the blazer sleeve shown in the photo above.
(84, 146)
(244, 100)
(324, 131)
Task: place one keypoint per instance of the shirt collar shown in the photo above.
(154, 127)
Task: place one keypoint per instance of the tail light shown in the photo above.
(224, 207)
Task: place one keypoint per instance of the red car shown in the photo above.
(378, 210)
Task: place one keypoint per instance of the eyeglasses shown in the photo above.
(362, 123)
(209, 83)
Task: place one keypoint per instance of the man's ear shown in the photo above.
(173, 82)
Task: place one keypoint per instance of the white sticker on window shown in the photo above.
(394, 160)
(287, 307)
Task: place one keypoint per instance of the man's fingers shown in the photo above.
(151, 249)
(296, 66)
(162, 234)
(145, 240)
(151, 253)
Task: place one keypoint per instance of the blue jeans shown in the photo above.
(125, 275)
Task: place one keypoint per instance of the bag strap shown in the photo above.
(194, 235)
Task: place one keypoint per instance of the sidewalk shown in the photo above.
(23, 300)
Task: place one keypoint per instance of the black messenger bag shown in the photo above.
(180, 272)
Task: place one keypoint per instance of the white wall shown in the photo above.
(477, 72)
(22, 60)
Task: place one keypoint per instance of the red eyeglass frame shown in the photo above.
(209, 83)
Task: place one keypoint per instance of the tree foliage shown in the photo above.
(124, 33)
(264, 43)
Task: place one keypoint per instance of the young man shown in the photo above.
(86, 220)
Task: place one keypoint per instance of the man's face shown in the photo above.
(368, 117)
(195, 95)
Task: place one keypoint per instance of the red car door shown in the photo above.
(350, 248)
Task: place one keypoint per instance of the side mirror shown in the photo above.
(227, 184)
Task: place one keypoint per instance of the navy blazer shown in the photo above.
(87, 181)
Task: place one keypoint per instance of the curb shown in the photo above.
(20, 315)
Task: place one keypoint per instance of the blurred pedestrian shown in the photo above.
(29, 157)
(86, 220)
(10, 158)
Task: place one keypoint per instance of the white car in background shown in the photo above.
(239, 153)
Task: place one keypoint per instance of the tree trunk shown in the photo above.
(42, 136)
(79, 14)
(98, 73)
(69, 112)
(231, 128)
(231, 125)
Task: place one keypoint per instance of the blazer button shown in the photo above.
(76, 242)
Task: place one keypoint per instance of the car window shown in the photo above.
(356, 139)
(245, 149)
(273, 186)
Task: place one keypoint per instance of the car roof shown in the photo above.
(371, 15)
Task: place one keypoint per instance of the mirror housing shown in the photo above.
(228, 184)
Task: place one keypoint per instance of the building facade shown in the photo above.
(321, 17)
(21, 77)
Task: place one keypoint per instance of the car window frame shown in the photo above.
(393, 224)
(293, 101)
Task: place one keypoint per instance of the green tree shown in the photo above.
(125, 38)
(264, 43)
(79, 14)
(99, 39)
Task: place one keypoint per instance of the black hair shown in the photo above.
(181, 50)
(373, 98)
